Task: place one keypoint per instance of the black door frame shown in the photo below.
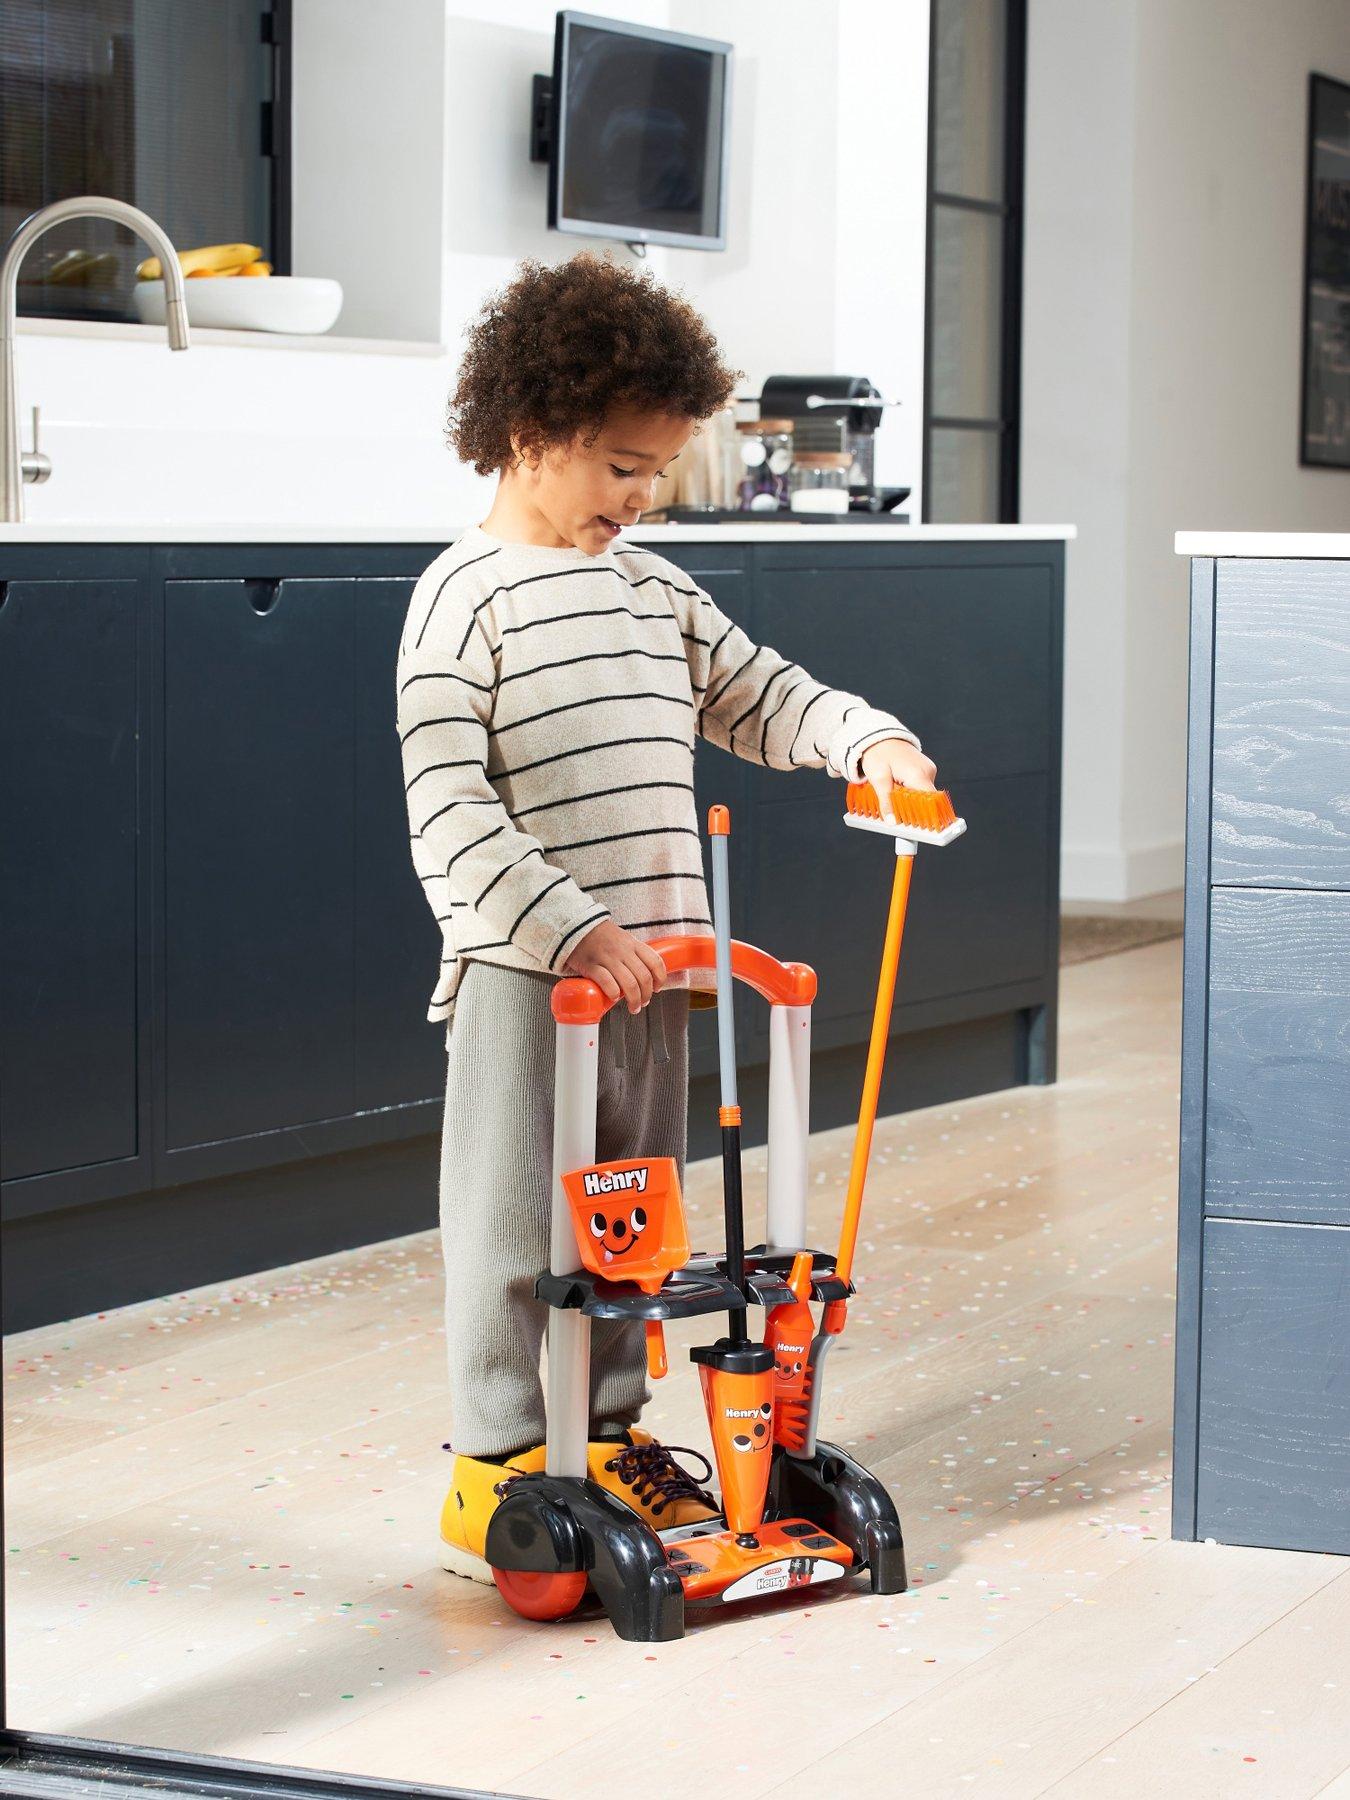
(1008, 424)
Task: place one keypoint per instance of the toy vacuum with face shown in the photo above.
(795, 1511)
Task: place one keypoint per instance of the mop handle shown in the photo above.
(876, 1057)
(719, 832)
(729, 1113)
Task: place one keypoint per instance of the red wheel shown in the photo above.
(540, 1596)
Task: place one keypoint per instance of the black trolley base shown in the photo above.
(563, 1525)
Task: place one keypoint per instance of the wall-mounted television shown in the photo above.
(638, 133)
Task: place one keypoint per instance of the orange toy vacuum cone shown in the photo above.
(739, 1404)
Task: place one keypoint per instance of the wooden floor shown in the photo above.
(220, 1510)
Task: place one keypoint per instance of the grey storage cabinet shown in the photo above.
(215, 955)
(1262, 1449)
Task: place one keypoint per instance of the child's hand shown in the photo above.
(894, 762)
(619, 964)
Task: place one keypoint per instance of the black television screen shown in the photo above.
(640, 133)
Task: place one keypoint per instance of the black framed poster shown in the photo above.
(1324, 433)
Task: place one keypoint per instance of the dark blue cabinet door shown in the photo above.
(258, 856)
(962, 656)
(819, 892)
(1274, 1438)
(400, 1056)
(965, 657)
(1281, 809)
(68, 826)
(1277, 1081)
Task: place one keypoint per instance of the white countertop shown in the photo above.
(1263, 543)
(221, 531)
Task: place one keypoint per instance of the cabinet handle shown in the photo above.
(4, 592)
(263, 594)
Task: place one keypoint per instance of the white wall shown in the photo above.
(1164, 257)
(824, 268)
(369, 166)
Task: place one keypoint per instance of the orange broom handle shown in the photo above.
(876, 1056)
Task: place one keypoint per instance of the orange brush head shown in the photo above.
(922, 810)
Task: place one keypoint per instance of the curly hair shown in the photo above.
(559, 348)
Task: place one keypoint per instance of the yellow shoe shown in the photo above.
(644, 1474)
(469, 1505)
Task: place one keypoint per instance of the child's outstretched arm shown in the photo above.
(760, 706)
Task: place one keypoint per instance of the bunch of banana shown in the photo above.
(211, 259)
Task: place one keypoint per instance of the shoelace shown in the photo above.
(654, 1475)
(651, 1471)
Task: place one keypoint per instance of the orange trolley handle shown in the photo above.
(576, 1000)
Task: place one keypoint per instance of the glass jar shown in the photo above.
(761, 462)
(819, 481)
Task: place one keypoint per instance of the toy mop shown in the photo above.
(796, 1511)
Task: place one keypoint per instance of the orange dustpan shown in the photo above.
(629, 1224)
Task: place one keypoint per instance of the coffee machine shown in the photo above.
(835, 413)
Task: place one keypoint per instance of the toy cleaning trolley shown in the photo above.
(796, 1511)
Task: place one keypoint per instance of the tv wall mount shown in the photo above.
(541, 118)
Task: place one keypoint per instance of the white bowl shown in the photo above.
(300, 304)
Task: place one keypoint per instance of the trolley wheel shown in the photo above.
(540, 1595)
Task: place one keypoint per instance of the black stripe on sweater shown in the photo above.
(712, 699)
(445, 584)
(764, 735)
(590, 612)
(595, 887)
(591, 700)
(459, 800)
(448, 719)
(464, 762)
(444, 675)
(585, 750)
(556, 575)
(532, 903)
(692, 593)
(568, 662)
(630, 787)
(759, 699)
(802, 720)
(581, 924)
(615, 837)
(681, 919)
(731, 626)
(465, 849)
(533, 850)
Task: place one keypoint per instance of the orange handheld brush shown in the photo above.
(917, 817)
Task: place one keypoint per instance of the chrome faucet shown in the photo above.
(16, 466)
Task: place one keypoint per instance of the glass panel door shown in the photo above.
(168, 104)
(974, 273)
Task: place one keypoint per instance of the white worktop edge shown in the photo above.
(1263, 543)
(221, 531)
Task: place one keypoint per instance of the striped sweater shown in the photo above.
(548, 702)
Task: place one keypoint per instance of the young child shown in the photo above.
(551, 682)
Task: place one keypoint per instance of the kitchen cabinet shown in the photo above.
(1273, 1464)
(69, 809)
(1262, 1434)
(217, 955)
(259, 852)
